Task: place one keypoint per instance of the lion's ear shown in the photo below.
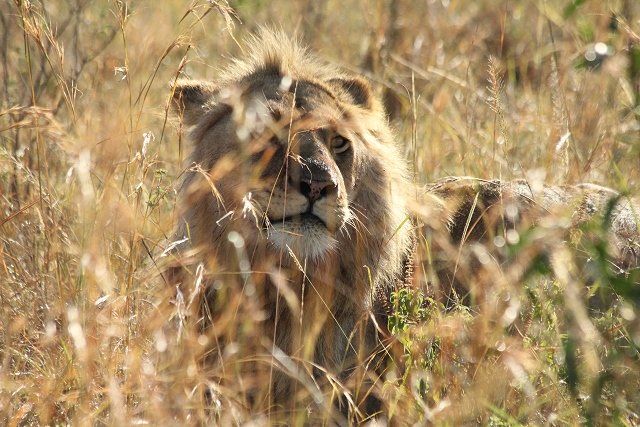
(358, 89)
(190, 97)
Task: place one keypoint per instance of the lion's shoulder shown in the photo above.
(473, 208)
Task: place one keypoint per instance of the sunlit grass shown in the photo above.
(91, 157)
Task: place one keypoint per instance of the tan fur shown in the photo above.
(471, 210)
(271, 122)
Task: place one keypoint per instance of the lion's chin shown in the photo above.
(308, 240)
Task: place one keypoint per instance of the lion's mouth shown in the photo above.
(306, 218)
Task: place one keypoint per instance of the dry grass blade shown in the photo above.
(530, 317)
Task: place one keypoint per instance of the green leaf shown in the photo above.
(572, 8)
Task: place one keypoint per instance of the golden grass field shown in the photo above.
(91, 156)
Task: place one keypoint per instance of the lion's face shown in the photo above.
(289, 151)
(306, 156)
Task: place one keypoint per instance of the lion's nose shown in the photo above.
(316, 190)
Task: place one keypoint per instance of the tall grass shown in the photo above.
(90, 158)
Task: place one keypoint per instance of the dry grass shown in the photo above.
(90, 159)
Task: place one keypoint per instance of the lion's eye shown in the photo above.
(340, 144)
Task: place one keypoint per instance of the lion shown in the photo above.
(297, 207)
(479, 219)
(295, 174)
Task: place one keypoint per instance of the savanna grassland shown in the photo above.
(91, 156)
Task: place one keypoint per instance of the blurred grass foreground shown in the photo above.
(91, 157)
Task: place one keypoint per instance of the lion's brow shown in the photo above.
(317, 124)
(296, 85)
